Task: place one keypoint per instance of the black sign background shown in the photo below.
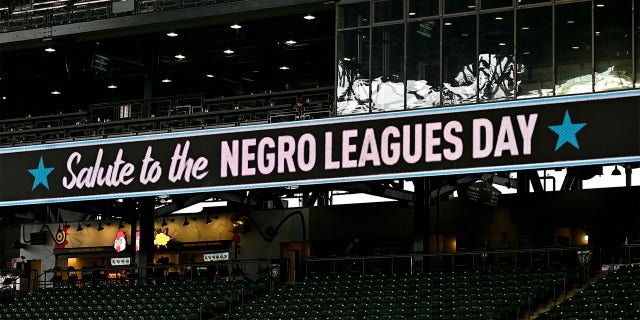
(611, 134)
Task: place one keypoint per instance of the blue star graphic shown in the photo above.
(40, 175)
(567, 131)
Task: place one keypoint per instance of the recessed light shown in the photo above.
(525, 28)
(172, 34)
(570, 22)
(236, 26)
(346, 59)
(180, 56)
(498, 18)
(502, 44)
(55, 92)
(49, 49)
(526, 53)
(600, 5)
(112, 86)
(209, 75)
(291, 42)
(309, 17)
(412, 13)
(228, 51)
(284, 68)
(575, 47)
(471, 6)
(166, 80)
(4, 98)
(448, 23)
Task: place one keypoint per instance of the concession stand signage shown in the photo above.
(506, 136)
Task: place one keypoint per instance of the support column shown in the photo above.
(145, 255)
(421, 221)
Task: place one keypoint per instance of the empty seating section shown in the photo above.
(616, 296)
(475, 295)
(189, 300)
(166, 114)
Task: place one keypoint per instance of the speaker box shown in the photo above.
(38, 238)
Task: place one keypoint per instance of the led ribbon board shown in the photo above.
(531, 134)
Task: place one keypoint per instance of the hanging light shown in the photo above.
(80, 228)
(121, 225)
(100, 228)
(616, 172)
(164, 222)
(208, 221)
(186, 221)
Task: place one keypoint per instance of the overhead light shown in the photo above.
(89, 2)
(284, 68)
(525, 28)
(412, 13)
(186, 221)
(50, 50)
(586, 238)
(464, 34)
(526, 53)
(255, 71)
(112, 86)
(600, 5)
(209, 75)
(235, 26)
(597, 33)
(55, 92)
(4, 98)
(290, 42)
(121, 225)
(309, 17)
(448, 23)
(179, 56)
(100, 228)
(164, 222)
(228, 51)
(616, 171)
(498, 18)
(502, 44)
(172, 34)
(166, 80)
(80, 228)
(346, 59)
(208, 221)
(575, 47)
(471, 6)
(570, 22)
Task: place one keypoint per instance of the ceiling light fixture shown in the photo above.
(471, 6)
(209, 75)
(309, 17)
(570, 22)
(235, 26)
(284, 68)
(164, 222)
(80, 228)
(56, 92)
(172, 34)
(166, 80)
(499, 18)
(121, 225)
(100, 228)
(228, 51)
(448, 23)
(4, 98)
(600, 5)
(290, 42)
(112, 86)
(616, 171)
(526, 53)
(412, 13)
(180, 56)
(186, 221)
(575, 47)
(525, 28)
(50, 50)
(502, 44)
(208, 221)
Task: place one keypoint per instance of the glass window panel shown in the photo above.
(353, 72)
(495, 62)
(423, 8)
(534, 53)
(387, 83)
(387, 10)
(454, 6)
(613, 45)
(573, 48)
(492, 4)
(459, 60)
(354, 15)
(423, 64)
(637, 41)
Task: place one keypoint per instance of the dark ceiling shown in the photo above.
(138, 63)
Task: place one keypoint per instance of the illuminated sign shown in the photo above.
(121, 242)
(137, 240)
(220, 256)
(506, 136)
(120, 261)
